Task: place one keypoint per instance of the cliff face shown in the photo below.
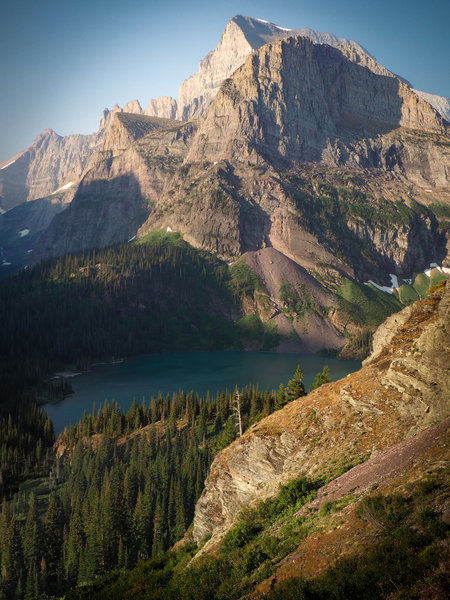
(241, 37)
(118, 192)
(49, 163)
(291, 106)
(293, 99)
(401, 389)
(164, 107)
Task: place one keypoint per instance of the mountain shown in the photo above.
(341, 493)
(53, 161)
(309, 155)
(48, 164)
(241, 37)
(269, 138)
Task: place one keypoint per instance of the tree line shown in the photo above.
(122, 487)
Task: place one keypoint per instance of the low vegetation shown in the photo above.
(403, 557)
(117, 488)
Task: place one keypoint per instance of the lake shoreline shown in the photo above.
(143, 376)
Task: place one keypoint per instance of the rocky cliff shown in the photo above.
(164, 107)
(49, 163)
(292, 105)
(294, 100)
(118, 192)
(401, 390)
(242, 36)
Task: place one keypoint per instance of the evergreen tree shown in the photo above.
(53, 539)
(321, 378)
(32, 537)
(295, 388)
(281, 398)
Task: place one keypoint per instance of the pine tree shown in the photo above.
(281, 398)
(53, 540)
(12, 557)
(321, 378)
(295, 388)
(32, 537)
(158, 532)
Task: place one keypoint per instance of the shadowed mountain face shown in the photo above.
(308, 149)
(303, 149)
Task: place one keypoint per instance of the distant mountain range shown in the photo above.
(287, 146)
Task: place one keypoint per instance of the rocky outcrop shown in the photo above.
(441, 104)
(351, 419)
(117, 194)
(133, 107)
(164, 107)
(125, 128)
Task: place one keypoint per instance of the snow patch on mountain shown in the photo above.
(395, 283)
(64, 187)
(382, 288)
(10, 163)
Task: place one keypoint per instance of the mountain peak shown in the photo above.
(259, 32)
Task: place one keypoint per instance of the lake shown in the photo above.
(143, 376)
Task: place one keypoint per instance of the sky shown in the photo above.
(63, 61)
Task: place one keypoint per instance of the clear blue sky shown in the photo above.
(64, 61)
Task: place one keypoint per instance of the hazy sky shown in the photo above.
(64, 61)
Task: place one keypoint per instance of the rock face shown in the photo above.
(164, 107)
(133, 107)
(399, 392)
(118, 192)
(441, 104)
(49, 163)
(299, 101)
(294, 104)
(241, 37)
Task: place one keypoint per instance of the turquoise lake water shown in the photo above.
(143, 376)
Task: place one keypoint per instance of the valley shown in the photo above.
(216, 267)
